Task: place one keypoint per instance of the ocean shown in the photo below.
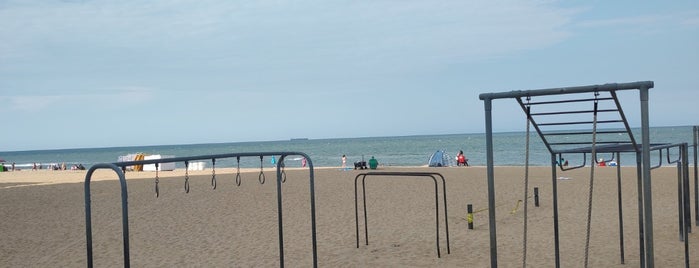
(509, 150)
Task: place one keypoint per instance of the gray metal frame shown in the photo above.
(403, 174)
(642, 151)
(119, 168)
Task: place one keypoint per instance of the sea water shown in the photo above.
(509, 150)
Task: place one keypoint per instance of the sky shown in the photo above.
(85, 74)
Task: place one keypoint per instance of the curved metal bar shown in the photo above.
(679, 157)
(403, 174)
(560, 165)
(124, 212)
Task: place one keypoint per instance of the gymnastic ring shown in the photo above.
(213, 182)
(283, 176)
(237, 179)
(261, 177)
(186, 185)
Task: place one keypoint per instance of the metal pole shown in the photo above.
(621, 213)
(680, 208)
(686, 204)
(647, 192)
(639, 183)
(279, 212)
(124, 212)
(469, 216)
(696, 177)
(311, 174)
(554, 195)
(491, 182)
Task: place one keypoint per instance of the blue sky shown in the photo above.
(76, 74)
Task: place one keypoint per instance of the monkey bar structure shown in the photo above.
(561, 117)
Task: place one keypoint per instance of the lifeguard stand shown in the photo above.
(566, 120)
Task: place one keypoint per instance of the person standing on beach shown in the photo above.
(344, 161)
(303, 162)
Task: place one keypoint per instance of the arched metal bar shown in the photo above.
(119, 168)
(402, 174)
(563, 168)
(679, 156)
(124, 212)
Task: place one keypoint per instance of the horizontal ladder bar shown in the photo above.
(577, 112)
(586, 133)
(587, 142)
(567, 101)
(580, 123)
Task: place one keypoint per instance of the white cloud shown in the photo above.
(288, 32)
(116, 97)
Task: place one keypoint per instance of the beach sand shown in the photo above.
(43, 219)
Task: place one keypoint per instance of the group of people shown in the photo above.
(373, 163)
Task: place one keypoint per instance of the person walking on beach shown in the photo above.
(344, 161)
(303, 162)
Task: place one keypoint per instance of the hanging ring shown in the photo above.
(283, 172)
(261, 177)
(157, 180)
(237, 175)
(186, 176)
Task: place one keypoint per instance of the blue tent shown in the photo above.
(440, 158)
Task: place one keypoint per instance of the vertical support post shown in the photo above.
(279, 212)
(696, 177)
(469, 216)
(554, 196)
(313, 209)
(491, 182)
(680, 204)
(621, 212)
(536, 196)
(647, 192)
(686, 207)
(639, 184)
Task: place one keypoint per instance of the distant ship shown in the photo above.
(299, 139)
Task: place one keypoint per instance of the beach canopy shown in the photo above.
(440, 158)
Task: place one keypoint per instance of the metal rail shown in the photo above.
(119, 168)
(403, 174)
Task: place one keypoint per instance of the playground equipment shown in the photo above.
(556, 111)
(403, 174)
(120, 167)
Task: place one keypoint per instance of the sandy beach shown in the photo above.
(43, 219)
